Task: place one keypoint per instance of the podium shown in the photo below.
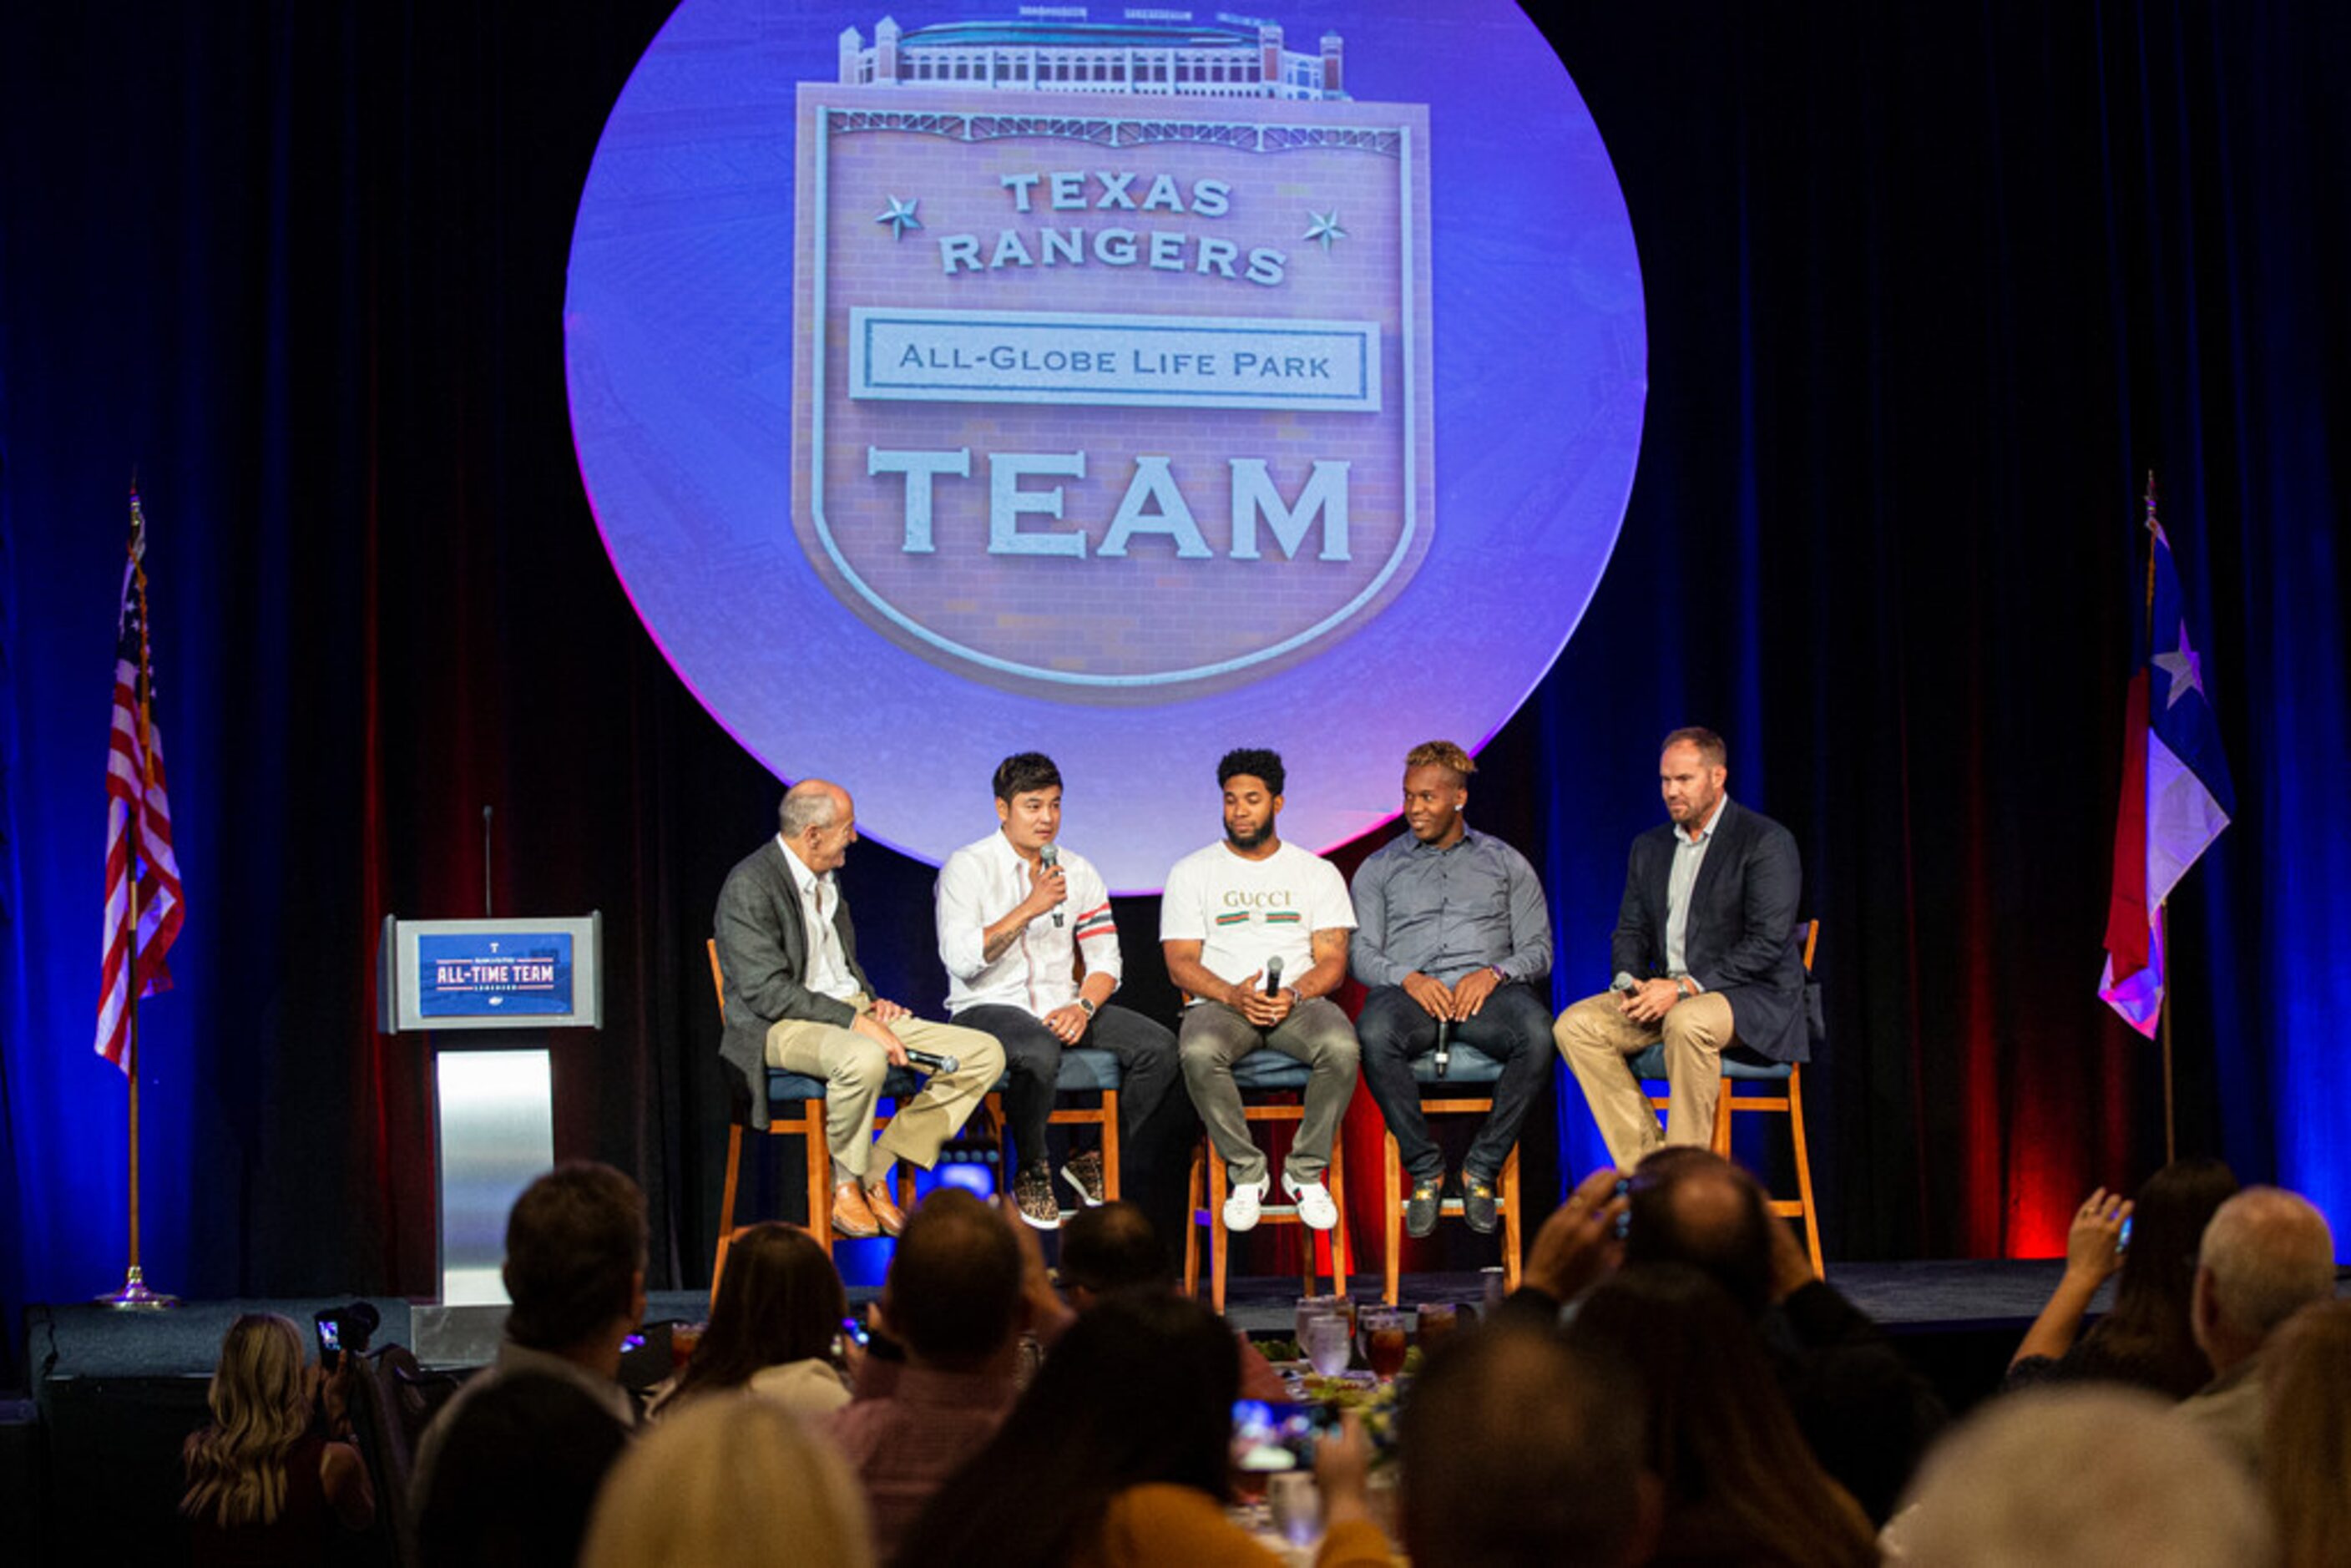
(487, 995)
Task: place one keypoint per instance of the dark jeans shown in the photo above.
(1146, 1049)
(1513, 1027)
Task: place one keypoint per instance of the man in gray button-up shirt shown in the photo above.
(1451, 932)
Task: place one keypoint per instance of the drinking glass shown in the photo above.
(1296, 1507)
(1385, 1341)
(1322, 1306)
(1437, 1320)
(1328, 1343)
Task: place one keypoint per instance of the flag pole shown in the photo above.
(2163, 911)
(135, 1295)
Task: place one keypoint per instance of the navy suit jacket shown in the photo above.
(763, 961)
(1739, 938)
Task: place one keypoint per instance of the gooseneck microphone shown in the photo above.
(931, 1061)
(1051, 855)
(1273, 976)
(1444, 1047)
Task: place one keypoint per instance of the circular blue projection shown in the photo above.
(1125, 384)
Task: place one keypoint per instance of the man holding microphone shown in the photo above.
(1031, 955)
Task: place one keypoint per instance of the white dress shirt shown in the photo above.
(980, 884)
(828, 967)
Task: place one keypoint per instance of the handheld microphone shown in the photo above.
(1051, 855)
(931, 1061)
(1624, 982)
(1273, 976)
(1444, 1047)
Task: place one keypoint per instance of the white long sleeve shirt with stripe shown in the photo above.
(979, 884)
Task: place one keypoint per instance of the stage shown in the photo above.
(88, 1467)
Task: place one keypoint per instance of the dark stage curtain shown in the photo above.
(1930, 290)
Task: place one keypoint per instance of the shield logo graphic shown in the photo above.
(1112, 351)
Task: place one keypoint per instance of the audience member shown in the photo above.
(729, 1483)
(2086, 1477)
(1117, 1458)
(507, 1472)
(1574, 1248)
(773, 1327)
(2306, 1437)
(939, 1378)
(2146, 1339)
(1866, 1414)
(266, 1481)
(1520, 1451)
(1738, 1482)
(1113, 1251)
(516, 1477)
(2266, 1255)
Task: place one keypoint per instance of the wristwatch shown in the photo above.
(1086, 1006)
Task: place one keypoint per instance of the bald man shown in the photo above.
(797, 999)
(2266, 1254)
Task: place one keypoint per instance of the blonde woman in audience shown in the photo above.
(772, 1328)
(728, 1480)
(2090, 1475)
(267, 1484)
(2306, 1435)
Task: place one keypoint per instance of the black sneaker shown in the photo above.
(1478, 1203)
(1084, 1172)
(1032, 1194)
(1420, 1206)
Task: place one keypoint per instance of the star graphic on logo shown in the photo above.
(1324, 228)
(901, 216)
(2185, 668)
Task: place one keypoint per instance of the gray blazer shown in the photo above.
(1739, 938)
(763, 956)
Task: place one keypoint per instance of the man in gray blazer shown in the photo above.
(1704, 953)
(806, 1005)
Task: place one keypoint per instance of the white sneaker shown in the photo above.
(1241, 1205)
(1313, 1199)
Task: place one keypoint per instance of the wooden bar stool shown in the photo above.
(1261, 1071)
(1087, 1071)
(1471, 1067)
(796, 1110)
(1741, 1067)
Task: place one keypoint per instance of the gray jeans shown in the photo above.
(1317, 1033)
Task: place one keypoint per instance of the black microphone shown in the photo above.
(1444, 1047)
(931, 1061)
(1273, 976)
(1051, 855)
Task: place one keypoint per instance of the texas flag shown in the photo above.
(2176, 795)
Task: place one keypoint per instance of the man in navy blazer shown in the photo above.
(1704, 953)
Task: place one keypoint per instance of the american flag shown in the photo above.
(143, 911)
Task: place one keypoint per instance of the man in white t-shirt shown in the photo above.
(1230, 913)
(1031, 956)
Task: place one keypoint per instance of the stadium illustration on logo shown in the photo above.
(1112, 340)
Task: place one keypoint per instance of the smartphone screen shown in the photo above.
(2122, 1242)
(1268, 1438)
(330, 1342)
(856, 1331)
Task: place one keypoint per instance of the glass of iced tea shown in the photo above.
(1385, 1340)
(1438, 1321)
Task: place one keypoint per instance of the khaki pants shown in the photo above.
(852, 1068)
(1599, 1043)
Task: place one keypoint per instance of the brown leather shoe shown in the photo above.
(886, 1213)
(851, 1216)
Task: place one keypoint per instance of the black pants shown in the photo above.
(1513, 1027)
(1146, 1049)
